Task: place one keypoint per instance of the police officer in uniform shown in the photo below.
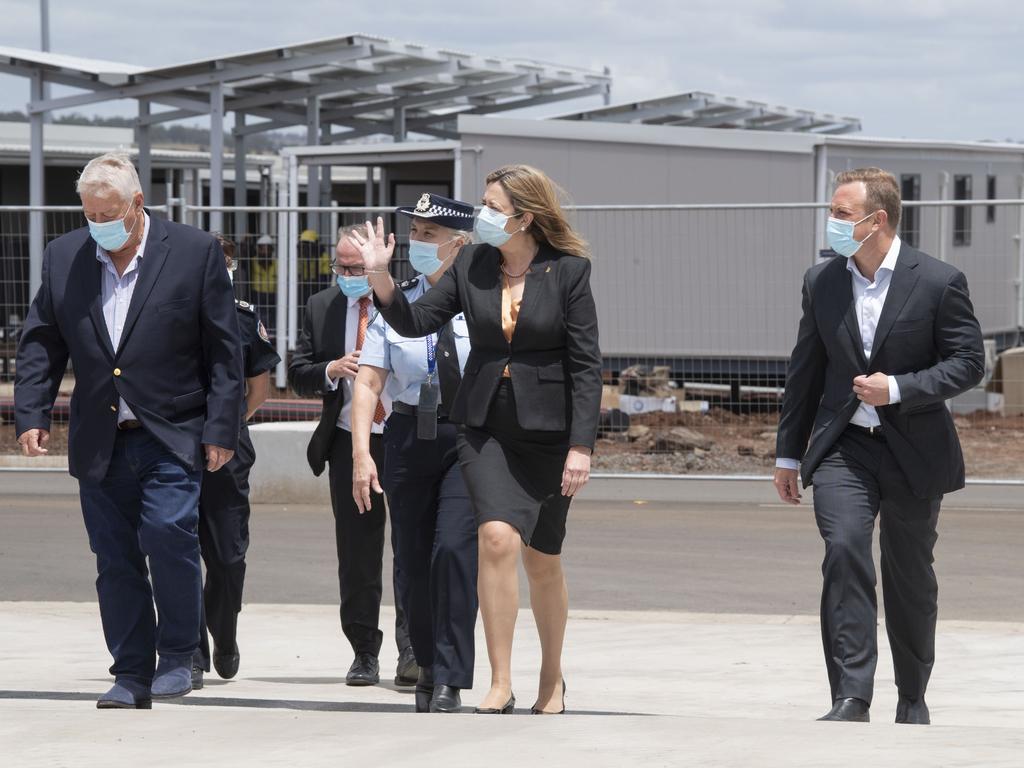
(224, 504)
(434, 525)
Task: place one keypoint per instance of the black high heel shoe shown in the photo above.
(508, 709)
(535, 711)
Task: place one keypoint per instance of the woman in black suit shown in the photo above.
(529, 402)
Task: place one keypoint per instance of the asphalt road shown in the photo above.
(694, 553)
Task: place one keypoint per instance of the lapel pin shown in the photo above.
(547, 270)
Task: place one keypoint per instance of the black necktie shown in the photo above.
(447, 369)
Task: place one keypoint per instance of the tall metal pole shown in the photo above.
(44, 35)
(36, 188)
(145, 151)
(216, 156)
(241, 184)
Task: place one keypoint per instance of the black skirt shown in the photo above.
(515, 475)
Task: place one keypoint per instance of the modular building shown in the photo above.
(700, 236)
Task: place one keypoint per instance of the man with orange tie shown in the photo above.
(325, 363)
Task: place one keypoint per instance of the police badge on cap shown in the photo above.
(443, 211)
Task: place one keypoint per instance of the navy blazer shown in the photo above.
(554, 357)
(927, 337)
(179, 363)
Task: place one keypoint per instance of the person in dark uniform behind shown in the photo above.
(433, 521)
(224, 504)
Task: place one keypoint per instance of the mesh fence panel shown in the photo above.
(698, 308)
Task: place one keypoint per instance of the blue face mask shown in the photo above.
(490, 227)
(423, 256)
(111, 235)
(840, 235)
(354, 287)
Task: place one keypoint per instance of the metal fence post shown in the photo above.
(280, 337)
(1020, 259)
(293, 252)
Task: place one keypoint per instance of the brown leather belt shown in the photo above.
(129, 424)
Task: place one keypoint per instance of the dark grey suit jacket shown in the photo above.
(927, 337)
(322, 340)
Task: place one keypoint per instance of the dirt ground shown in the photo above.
(745, 444)
(726, 443)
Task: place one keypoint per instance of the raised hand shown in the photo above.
(374, 247)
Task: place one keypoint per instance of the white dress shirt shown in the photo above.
(117, 297)
(351, 333)
(868, 299)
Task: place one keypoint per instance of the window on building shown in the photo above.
(990, 210)
(910, 218)
(962, 213)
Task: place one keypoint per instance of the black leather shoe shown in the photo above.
(424, 690)
(848, 710)
(407, 672)
(912, 711)
(508, 709)
(226, 664)
(364, 670)
(538, 711)
(446, 699)
(197, 677)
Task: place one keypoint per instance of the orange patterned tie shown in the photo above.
(364, 323)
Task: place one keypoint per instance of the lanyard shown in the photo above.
(431, 358)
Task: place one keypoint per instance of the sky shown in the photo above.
(907, 68)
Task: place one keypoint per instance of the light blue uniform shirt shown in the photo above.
(406, 359)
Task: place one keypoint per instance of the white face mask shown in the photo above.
(490, 227)
(840, 235)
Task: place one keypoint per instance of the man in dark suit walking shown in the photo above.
(325, 363)
(144, 310)
(888, 334)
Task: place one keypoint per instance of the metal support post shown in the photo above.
(217, 156)
(36, 187)
(313, 140)
(398, 129)
(142, 139)
(241, 183)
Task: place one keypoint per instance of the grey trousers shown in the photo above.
(857, 481)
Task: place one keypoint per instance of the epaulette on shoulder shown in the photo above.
(409, 284)
(245, 305)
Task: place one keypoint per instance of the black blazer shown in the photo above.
(322, 340)
(554, 357)
(927, 337)
(179, 363)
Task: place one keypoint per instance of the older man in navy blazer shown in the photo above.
(144, 310)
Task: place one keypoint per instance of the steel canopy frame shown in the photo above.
(699, 109)
(360, 84)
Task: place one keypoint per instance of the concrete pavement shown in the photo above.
(645, 688)
(692, 642)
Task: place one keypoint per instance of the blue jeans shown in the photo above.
(146, 506)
